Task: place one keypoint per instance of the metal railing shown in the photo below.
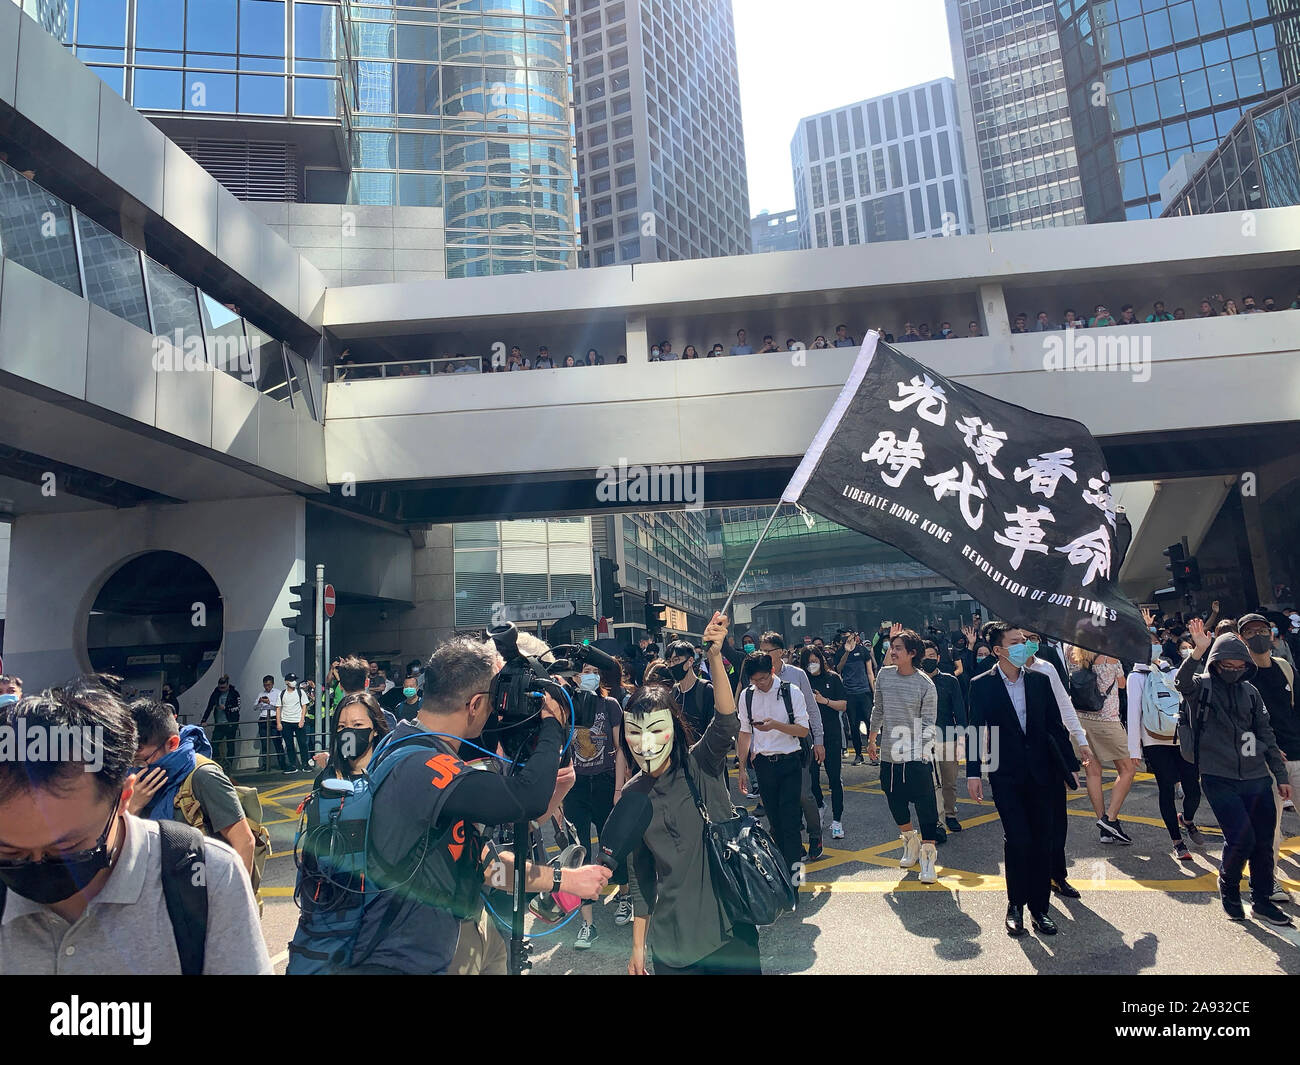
(366, 371)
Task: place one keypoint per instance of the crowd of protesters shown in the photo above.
(1098, 317)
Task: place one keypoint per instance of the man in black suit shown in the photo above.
(1028, 754)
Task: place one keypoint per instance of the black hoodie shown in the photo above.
(1230, 734)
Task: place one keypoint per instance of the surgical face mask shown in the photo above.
(8, 698)
(814, 667)
(1184, 652)
(982, 662)
(930, 665)
(749, 647)
(410, 693)
(1033, 647)
(353, 742)
(650, 738)
(1230, 676)
(1259, 643)
(1156, 651)
(51, 880)
(1018, 654)
(589, 682)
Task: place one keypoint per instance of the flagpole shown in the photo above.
(745, 568)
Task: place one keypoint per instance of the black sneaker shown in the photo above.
(1119, 830)
(816, 852)
(1269, 911)
(1193, 833)
(953, 824)
(858, 760)
(1111, 832)
(940, 836)
(1230, 896)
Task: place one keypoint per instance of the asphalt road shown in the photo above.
(1141, 911)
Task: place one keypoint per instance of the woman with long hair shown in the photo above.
(690, 352)
(1107, 740)
(359, 725)
(669, 879)
(833, 702)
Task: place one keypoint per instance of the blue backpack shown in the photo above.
(334, 891)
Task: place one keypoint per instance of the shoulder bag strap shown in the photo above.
(185, 892)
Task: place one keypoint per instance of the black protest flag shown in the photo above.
(1012, 506)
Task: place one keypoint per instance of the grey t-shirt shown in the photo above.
(904, 714)
(126, 929)
(217, 796)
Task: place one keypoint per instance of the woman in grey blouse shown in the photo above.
(669, 882)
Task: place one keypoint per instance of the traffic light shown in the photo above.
(656, 614)
(1184, 571)
(609, 587)
(303, 605)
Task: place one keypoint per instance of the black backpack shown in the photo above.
(1084, 693)
(187, 902)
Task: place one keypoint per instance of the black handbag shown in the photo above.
(750, 877)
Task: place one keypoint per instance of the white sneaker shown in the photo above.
(911, 848)
(821, 815)
(1287, 804)
(1280, 895)
(586, 936)
(837, 830)
(929, 852)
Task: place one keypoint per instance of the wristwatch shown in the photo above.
(556, 873)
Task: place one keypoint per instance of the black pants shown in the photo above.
(224, 743)
(834, 752)
(296, 735)
(781, 780)
(1171, 769)
(268, 736)
(1246, 813)
(1026, 810)
(588, 805)
(739, 957)
(908, 784)
(1060, 828)
(859, 711)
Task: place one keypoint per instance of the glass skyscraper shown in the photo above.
(462, 105)
(1257, 165)
(1015, 114)
(661, 152)
(889, 168)
(1152, 79)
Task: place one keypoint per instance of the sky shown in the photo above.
(833, 52)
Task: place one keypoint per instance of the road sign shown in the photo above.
(676, 619)
(549, 611)
(329, 600)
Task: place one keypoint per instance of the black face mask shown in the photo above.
(1260, 642)
(352, 743)
(930, 665)
(52, 880)
(678, 672)
(1229, 676)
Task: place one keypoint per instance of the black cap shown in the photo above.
(291, 676)
(1246, 619)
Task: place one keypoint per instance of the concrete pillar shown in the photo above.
(433, 592)
(638, 339)
(993, 311)
(1253, 519)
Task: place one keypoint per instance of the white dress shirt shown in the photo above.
(769, 706)
(266, 709)
(1016, 690)
(1068, 717)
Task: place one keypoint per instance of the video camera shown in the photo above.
(518, 689)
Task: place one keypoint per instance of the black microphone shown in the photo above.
(624, 828)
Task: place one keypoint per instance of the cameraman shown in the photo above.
(436, 809)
